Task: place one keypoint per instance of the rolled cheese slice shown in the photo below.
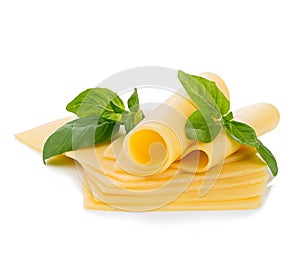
(160, 138)
(262, 117)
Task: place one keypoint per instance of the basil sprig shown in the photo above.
(100, 113)
(214, 113)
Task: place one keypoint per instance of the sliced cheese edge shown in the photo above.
(244, 204)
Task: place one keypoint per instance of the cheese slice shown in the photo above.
(262, 117)
(36, 137)
(91, 203)
(145, 203)
(152, 188)
(160, 138)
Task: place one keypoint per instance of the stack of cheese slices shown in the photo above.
(155, 166)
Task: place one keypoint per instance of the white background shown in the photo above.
(52, 50)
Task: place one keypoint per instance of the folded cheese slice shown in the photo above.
(160, 138)
(262, 117)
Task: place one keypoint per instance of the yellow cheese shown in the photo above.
(156, 142)
(244, 204)
(160, 167)
(36, 137)
(240, 184)
(93, 157)
(151, 139)
(262, 117)
(114, 186)
(238, 180)
(144, 203)
(148, 198)
(160, 138)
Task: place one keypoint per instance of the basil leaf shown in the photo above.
(117, 109)
(219, 98)
(133, 102)
(108, 115)
(201, 128)
(129, 122)
(132, 119)
(205, 94)
(77, 134)
(245, 134)
(95, 102)
(228, 117)
(268, 157)
(242, 133)
(136, 115)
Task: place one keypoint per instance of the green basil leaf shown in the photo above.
(112, 116)
(117, 108)
(129, 122)
(77, 134)
(139, 116)
(228, 117)
(201, 128)
(245, 134)
(205, 94)
(132, 119)
(268, 157)
(133, 102)
(95, 102)
(242, 133)
(219, 98)
(135, 115)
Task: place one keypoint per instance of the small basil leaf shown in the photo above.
(268, 157)
(133, 102)
(94, 101)
(201, 128)
(242, 133)
(129, 122)
(112, 116)
(228, 117)
(135, 115)
(116, 108)
(139, 116)
(132, 119)
(77, 134)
